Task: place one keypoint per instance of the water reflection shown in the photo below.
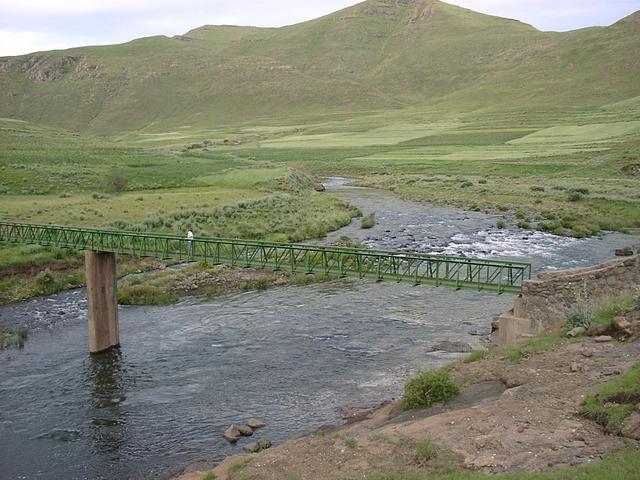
(107, 380)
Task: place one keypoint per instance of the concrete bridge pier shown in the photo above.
(100, 269)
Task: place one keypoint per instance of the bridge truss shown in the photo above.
(417, 268)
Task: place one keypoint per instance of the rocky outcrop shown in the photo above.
(43, 69)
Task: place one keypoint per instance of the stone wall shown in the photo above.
(548, 299)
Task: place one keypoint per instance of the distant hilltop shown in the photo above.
(375, 56)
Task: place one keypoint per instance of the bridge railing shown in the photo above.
(418, 268)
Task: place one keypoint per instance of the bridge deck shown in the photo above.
(417, 268)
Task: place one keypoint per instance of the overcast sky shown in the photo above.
(31, 25)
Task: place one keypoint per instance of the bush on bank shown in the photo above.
(428, 388)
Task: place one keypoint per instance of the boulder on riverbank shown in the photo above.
(255, 447)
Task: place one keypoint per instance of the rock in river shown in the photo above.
(232, 434)
(255, 423)
(245, 430)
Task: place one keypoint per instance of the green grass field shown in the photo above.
(431, 101)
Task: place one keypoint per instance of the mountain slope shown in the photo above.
(377, 55)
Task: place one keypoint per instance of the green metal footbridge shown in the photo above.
(101, 247)
(416, 268)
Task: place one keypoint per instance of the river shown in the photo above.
(288, 355)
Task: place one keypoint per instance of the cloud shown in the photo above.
(30, 25)
(554, 14)
(18, 42)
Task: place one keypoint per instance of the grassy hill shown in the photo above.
(377, 56)
(433, 101)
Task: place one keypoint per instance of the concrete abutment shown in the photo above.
(546, 301)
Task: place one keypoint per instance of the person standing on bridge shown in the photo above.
(189, 242)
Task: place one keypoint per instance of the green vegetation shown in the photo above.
(236, 467)
(540, 343)
(584, 312)
(441, 58)
(620, 466)
(158, 149)
(350, 442)
(15, 338)
(475, 356)
(615, 401)
(427, 388)
(425, 451)
(368, 221)
(31, 270)
(275, 204)
(169, 286)
(606, 311)
(209, 476)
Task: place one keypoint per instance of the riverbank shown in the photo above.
(519, 410)
(576, 208)
(273, 204)
(169, 286)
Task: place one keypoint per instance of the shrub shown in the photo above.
(583, 230)
(6, 336)
(500, 224)
(369, 221)
(350, 442)
(524, 224)
(428, 388)
(46, 282)
(117, 182)
(466, 184)
(583, 191)
(520, 214)
(580, 314)
(482, 181)
(425, 451)
(552, 227)
(574, 197)
(537, 189)
(22, 333)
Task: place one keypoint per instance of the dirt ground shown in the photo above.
(509, 417)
